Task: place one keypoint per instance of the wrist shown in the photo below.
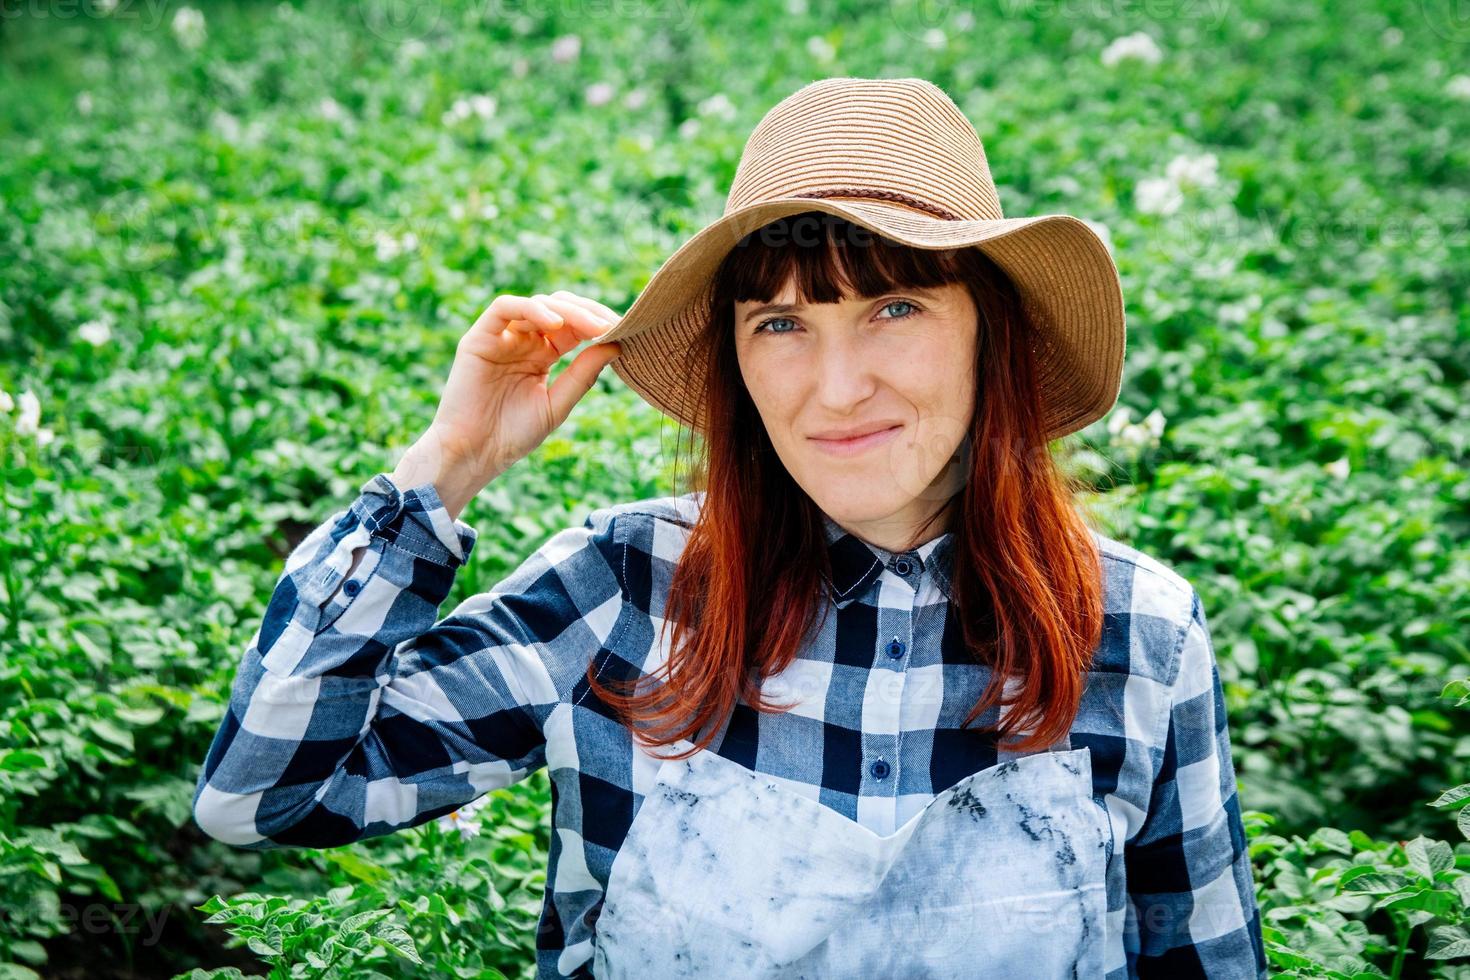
(431, 460)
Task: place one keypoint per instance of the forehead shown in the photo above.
(786, 295)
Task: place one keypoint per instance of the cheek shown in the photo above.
(938, 378)
(770, 388)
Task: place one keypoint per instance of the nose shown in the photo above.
(844, 376)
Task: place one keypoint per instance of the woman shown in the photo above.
(758, 701)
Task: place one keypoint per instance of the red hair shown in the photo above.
(1026, 583)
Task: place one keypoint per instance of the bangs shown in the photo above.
(827, 257)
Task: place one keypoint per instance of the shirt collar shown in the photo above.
(856, 563)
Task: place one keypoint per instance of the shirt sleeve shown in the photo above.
(1190, 885)
(354, 713)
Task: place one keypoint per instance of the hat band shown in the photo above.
(884, 195)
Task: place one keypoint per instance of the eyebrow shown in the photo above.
(794, 307)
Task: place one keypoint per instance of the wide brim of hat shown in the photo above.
(1062, 269)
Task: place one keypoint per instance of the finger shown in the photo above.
(577, 377)
(521, 313)
(579, 323)
(591, 304)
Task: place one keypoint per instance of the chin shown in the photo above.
(855, 500)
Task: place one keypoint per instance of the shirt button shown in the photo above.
(902, 566)
(896, 648)
(879, 769)
(351, 587)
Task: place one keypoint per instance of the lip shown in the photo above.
(857, 444)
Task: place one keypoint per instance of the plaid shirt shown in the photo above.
(355, 713)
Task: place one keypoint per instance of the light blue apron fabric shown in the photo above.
(726, 873)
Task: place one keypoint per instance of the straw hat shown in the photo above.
(899, 158)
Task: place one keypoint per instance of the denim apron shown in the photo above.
(725, 873)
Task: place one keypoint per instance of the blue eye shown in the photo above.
(764, 325)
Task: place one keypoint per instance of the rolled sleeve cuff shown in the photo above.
(414, 520)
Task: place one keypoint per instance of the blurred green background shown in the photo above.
(238, 243)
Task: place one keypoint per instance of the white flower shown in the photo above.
(520, 67)
(1136, 45)
(466, 819)
(636, 98)
(84, 103)
(412, 49)
(1338, 468)
(475, 105)
(599, 93)
(29, 419)
(44, 437)
(566, 48)
(387, 247)
(6, 402)
(796, 7)
(1392, 37)
(935, 38)
(1132, 435)
(1200, 171)
(459, 212)
(188, 27)
(964, 20)
(1118, 420)
(1241, 311)
(1157, 195)
(330, 108)
(226, 125)
(95, 332)
(718, 105)
(688, 128)
(105, 6)
(820, 48)
(1458, 87)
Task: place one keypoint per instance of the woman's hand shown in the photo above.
(496, 406)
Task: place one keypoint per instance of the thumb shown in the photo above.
(577, 378)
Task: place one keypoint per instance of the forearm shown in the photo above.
(309, 683)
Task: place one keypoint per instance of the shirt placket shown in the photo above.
(899, 588)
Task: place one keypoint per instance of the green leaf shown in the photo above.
(107, 730)
(392, 936)
(362, 920)
(1449, 797)
(29, 950)
(1447, 943)
(1429, 857)
(22, 759)
(1332, 839)
(1377, 882)
(261, 947)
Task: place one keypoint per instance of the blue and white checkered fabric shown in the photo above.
(355, 713)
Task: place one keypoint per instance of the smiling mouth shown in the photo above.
(857, 444)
